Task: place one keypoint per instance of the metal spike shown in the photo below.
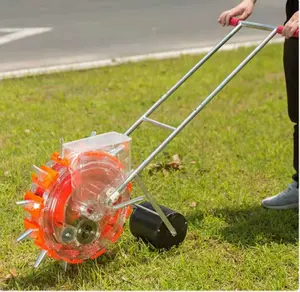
(40, 258)
(127, 203)
(38, 170)
(33, 187)
(50, 163)
(25, 234)
(61, 152)
(24, 202)
(65, 266)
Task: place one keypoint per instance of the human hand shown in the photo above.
(243, 11)
(291, 26)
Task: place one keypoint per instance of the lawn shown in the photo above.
(234, 154)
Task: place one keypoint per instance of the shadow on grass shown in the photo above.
(52, 275)
(254, 225)
(48, 276)
(248, 226)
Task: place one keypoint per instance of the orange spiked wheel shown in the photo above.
(69, 217)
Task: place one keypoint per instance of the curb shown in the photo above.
(122, 60)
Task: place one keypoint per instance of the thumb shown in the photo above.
(245, 14)
(232, 13)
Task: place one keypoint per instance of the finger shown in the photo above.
(284, 31)
(295, 25)
(225, 16)
(232, 13)
(228, 17)
(288, 30)
(222, 18)
(293, 29)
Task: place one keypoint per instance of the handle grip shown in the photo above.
(235, 21)
(280, 29)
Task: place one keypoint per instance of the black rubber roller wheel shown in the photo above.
(151, 229)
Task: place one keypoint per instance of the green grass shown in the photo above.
(234, 154)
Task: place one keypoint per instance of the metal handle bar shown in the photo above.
(236, 21)
(182, 80)
(203, 104)
(144, 118)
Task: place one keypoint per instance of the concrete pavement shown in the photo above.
(94, 30)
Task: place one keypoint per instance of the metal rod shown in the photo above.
(258, 25)
(116, 150)
(127, 203)
(156, 207)
(156, 123)
(40, 258)
(25, 234)
(24, 202)
(61, 150)
(195, 112)
(183, 79)
(146, 209)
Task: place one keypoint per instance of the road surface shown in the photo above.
(87, 30)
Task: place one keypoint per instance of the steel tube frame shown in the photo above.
(134, 174)
(196, 111)
(258, 25)
(183, 79)
(156, 123)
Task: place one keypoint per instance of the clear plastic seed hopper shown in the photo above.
(80, 199)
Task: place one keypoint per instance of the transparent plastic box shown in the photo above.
(111, 142)
(79, 220)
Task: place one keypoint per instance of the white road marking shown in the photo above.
(122, 60)
(14, 34)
